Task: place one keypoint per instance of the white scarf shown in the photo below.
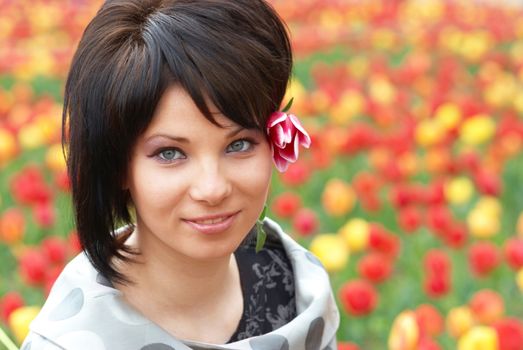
(84, 312)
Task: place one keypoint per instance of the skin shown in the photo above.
(187, 281)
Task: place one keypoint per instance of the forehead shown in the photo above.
(176, 110)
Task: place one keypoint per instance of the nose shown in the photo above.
(210, 184)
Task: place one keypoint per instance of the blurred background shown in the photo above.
(411, 194)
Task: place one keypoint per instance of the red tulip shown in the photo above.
(12, 225)
(305, 222)
(296, 174)
(33, 266)
(428, 344)
(343, 345)
(74, 242)
(439, 218)
(483, 258)
(382, 241)
(375, 267)
(429, 320)
(401, 196)
(437, 285)
(409, 219)
(456, 235)
(487, 306)
(510, 334)
(469, 161)
(28, 186)
(62, 181)
(358, 297)
(370, 203)
(9, 302)
(365, 183)
(437, 262)
(434, 194)
(55, 250)
(488, 183)
(286, 204)
(514, 253)
(43, 215)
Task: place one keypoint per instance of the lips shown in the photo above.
(212, 224)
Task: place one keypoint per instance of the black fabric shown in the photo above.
(267, 282)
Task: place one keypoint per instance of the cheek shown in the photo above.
(256, 177)
(153, 189)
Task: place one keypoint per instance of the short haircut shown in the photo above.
(233, 53)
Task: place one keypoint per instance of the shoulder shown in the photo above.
(35, 341)
(84, 311)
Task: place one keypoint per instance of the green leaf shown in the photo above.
(288, 105)
(262, 215)
(260, 237)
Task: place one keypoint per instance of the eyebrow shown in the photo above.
(181, 139)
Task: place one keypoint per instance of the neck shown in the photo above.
(174, 282)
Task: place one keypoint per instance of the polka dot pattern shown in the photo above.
(97, 317)
(313, 259)
(88, 340)
(315, 334)
(70, 306)
(157, 346)
(270, 342)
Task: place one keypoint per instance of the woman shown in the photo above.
(172, 124)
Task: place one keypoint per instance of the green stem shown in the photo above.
(8, 343)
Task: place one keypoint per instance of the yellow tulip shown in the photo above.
(477, 130)
(519, 279)
(356, 234)
(474, 45)
(448, 115)
(54, 158)
(7, 146)
(459, 320)
(429, 132)
(331, 250)
(404, 334)
(31, 136)
(295, 89)
(351, 104)
(384, 39)
(459, 190)
(490, 205)
(381, 90)
(479, 338)
(20, 319)
(358, 66)
(338, 197)
(481, 224)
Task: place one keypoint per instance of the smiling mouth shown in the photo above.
(212, 224)
(211, 221)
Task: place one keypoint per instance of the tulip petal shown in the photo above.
(281, 163)
(288, 129)
(305, 141)
(291, 152)
(278, 136)
(276, 118)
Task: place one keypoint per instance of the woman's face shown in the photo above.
(197, 188)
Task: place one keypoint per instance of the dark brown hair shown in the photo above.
(235, 53)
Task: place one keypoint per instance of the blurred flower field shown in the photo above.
(411, 194)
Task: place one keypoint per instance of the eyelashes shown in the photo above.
(169, 155)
